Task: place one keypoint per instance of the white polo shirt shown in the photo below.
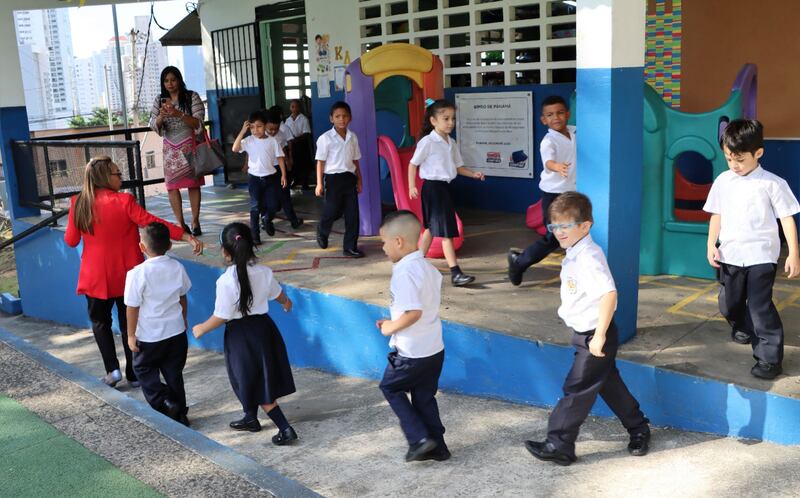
(262, 155)
(556, 147)
(283, 142)
(287, 132)
(585, 278)
(298, 125)
(436, 158)
(264, 286)
(416, 285)
(748, 207)
(155, 287)
(337, 152)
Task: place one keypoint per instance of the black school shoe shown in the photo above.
(764, 370)
(417, 451)
(197, 231)
(251, 425)
(284, 437)
(297, 223)
(439, 454)
(741, 337)
(514, 272)
(322, 241)
(547, 452)
(352, 253)
(639, 444)
(171, 409)
(460, 279)
(268, 227)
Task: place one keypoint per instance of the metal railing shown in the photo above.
(58, 164)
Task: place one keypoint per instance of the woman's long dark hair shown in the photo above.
(237, 241)
(184, 95)
(431, 111)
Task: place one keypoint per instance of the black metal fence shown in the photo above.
(55, 165)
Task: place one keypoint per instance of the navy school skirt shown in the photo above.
(256, 359)
(438, 212)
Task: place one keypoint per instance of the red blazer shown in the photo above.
(113, 249)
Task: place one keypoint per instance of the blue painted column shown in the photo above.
(610, 62)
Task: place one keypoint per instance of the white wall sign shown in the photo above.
(495, 132)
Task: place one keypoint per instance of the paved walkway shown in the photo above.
(351, 444)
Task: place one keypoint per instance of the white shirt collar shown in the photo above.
(408, 258)
(435, 136)
(155, 259)
(335, 134)
(572, 252)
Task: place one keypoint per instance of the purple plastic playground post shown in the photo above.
(361, 98)
(747, 83)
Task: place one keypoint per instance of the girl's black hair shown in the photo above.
(184, 95)
(431, 111)
(237, 241)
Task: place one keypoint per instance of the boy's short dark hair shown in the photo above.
(156, 238)
(341, 105)
(573, 204)
(257, 116)
(742, 135)
(554, 99)
(272, 117)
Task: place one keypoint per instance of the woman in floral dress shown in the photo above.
(176, 115)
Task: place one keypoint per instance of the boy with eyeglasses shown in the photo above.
(588, 302)
(559, 160)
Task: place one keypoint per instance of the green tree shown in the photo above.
(77, 122)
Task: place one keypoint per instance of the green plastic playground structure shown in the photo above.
(668, 244)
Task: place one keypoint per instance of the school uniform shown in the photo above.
(341, 193)
(155, 287)
(285, 193)
(255, 354)
(554, 147)
(263, 179)
(749, 247)
(299, 125)
(438, 161)
(299, 135)
(416, 362)
(585, 279)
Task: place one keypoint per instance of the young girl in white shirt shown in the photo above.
(439, 162)
(255, 354)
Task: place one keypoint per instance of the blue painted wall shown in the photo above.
(338, 335)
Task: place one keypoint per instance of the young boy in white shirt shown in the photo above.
(339, 177)
(155, 296)
(559, 156)
(273, 129)
(263, 180)
(299, 143)
(588, 302)
(744, 203)
(416, 337)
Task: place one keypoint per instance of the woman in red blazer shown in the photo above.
(108, 222)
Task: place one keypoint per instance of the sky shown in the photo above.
(93, 26)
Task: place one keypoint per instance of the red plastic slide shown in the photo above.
(397, 160)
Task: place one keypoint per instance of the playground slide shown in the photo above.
(397, 161)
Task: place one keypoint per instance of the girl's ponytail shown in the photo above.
(237, 240)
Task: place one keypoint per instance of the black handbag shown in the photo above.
(206, 156)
